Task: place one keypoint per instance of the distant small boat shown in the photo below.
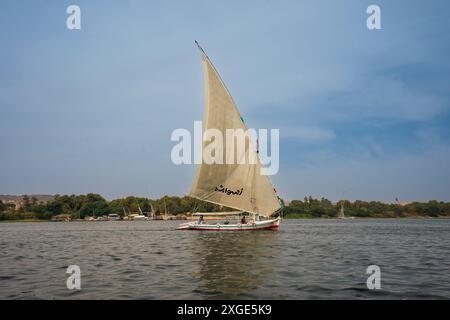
(134, 216)
(152, 212)
(137, 217)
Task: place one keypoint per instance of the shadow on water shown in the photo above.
(232, 264)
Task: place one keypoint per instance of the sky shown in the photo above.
(363, 114)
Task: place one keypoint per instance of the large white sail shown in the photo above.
(239, 186)
(341, 213)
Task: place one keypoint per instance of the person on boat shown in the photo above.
(200, 220)
(243, 220)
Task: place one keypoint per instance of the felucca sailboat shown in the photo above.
(239, 185)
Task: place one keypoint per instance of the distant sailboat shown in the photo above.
(153, 214)
(125, 214)
(139, 216)
(341, 214)
(255, 194)
(134, 216)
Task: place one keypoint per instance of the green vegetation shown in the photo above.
(80, 206)
(323, 208)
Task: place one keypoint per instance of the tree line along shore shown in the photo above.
(29, 208)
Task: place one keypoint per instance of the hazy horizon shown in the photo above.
(362, 114)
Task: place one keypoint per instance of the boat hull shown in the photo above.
(272, 225)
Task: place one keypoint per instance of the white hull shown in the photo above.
(251, 226)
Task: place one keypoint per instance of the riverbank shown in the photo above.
(94, 205)
(306, 216)
(24, 220)
(296, 217)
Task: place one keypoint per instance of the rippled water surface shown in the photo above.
(306, 259)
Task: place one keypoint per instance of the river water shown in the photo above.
(306, 259)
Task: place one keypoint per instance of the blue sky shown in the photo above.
(362, 114)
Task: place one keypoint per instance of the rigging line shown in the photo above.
(196, 205)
